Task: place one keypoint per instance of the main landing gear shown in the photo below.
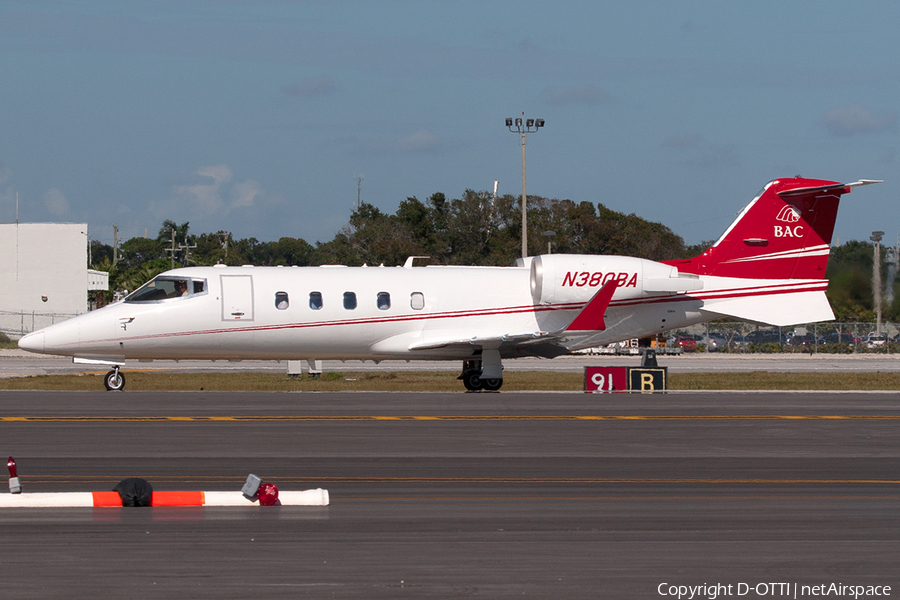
(114, 380)
(472, 378)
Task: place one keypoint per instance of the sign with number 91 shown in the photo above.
(605, 379)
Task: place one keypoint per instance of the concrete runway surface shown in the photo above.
(536, 495)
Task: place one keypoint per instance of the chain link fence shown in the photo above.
(832, 338)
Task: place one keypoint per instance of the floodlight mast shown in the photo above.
(524, 128)
(876, 279)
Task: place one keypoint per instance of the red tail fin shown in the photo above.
(784, 233)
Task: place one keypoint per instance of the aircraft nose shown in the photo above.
(33, 342)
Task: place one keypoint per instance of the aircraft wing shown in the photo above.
(590, 318)
(499, 340)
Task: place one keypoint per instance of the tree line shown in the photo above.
(475, 229)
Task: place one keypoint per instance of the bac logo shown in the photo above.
(585, 278)
(788, 232)
(788, 214)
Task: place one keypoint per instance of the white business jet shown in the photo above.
(768, 267)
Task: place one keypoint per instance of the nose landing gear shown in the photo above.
(114, 380)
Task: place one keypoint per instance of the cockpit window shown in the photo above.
(165, 288)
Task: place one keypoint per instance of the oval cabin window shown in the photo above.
(350, 300)
(417, 300)
(315, 300)
(384, 300)
(281, 300)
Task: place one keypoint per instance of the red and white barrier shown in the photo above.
(316, 497)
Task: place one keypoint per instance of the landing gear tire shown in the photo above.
(114, 381)
(472, 380)
(492, 385)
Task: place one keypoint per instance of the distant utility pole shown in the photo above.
(172, 250)
(529, 126)
(359, 179)
(115, 246)
(876, 279)
(224, 235)
(186, 248)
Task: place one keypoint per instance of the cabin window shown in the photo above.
(417, 300)
(281, 300)
(165, 288)
(350, 300)
(384, 300)
(315, 300)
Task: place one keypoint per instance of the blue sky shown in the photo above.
(255, 117)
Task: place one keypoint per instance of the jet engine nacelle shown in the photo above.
(564, 278)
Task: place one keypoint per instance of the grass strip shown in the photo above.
(383, 381)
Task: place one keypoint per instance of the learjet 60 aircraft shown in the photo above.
(768, 267)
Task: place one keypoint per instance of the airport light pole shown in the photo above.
(876, 279)
(524, 127)
(549, 235)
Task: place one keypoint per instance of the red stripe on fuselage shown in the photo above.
(718, 294)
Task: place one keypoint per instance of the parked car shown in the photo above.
(764, 336)
(806, 340)
(686, 343)
(739, 342)
(843, 338)
(714, 342)
(876, 341)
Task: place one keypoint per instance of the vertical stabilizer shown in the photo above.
(784, 233)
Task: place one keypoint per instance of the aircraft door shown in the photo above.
(237, 297)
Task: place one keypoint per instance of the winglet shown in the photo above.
(591, 316)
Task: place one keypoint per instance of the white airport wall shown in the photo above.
(43, 274)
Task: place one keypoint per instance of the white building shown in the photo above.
(44, 276)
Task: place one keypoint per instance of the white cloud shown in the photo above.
(850, 120)
(215, 192)
(244, 193)
(206, 195)
(56, 202)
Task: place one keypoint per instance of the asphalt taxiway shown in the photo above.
(547, 495)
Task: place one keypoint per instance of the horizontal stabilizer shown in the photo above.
(844, 187)
(777, 309)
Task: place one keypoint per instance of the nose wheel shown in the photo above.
(114, 380)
